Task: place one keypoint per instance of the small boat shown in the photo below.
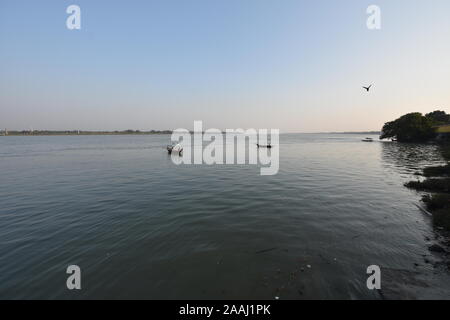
(175, 149)
(367, 140)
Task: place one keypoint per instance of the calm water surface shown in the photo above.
(141, 227)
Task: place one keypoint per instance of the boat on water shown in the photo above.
(367, 140)
(269, 146)
(175, 149)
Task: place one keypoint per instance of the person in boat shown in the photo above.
(175, 149)
(269, 146)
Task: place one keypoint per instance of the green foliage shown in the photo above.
(438, 117)
(412, 127)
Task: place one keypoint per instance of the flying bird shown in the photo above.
(367, 88)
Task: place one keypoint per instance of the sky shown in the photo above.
(293, 65)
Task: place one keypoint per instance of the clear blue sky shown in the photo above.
(288, 64)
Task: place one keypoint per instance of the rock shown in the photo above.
(436, 248)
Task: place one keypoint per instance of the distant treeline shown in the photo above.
(416, 127)
(358, 132)
(79, 132)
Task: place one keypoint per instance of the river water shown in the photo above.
(140, 226)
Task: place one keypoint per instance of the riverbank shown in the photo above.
(436, 198)
(436, 185)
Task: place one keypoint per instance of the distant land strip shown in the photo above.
(124, 132)
(78, 132)
(357, 132)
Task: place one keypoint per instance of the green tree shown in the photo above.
(438, 117)
(412, 127)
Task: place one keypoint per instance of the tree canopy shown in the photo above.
(412, 127)
(438, 117)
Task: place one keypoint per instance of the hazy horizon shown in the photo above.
(297, 66)
(223, 130)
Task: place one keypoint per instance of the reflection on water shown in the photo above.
(141, 227)
(410, 158)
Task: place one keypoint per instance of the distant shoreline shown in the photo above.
(133, 132)
(356, 132)
(82, 133)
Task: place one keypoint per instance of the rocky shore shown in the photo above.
(436, 202)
